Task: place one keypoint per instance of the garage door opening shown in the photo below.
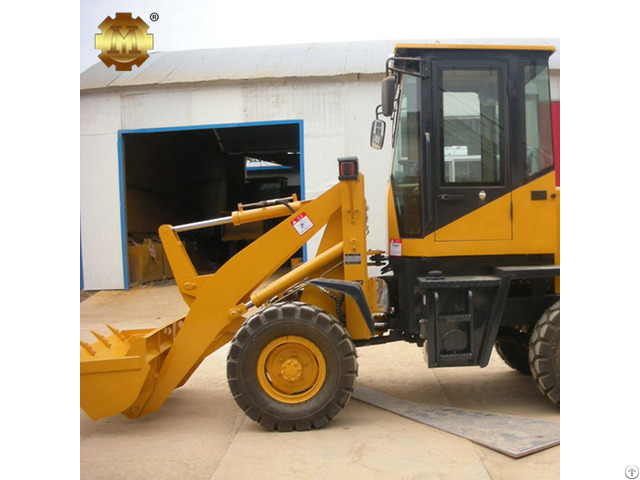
(179, 176)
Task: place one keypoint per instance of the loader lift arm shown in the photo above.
(133, 372)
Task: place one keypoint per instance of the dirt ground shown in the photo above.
(200, 433)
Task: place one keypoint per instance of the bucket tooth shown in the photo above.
(87, 347)
(101, 338)
(116, 332)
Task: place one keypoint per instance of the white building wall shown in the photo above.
(336, 115)
(100, 212)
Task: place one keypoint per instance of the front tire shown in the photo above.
(292, 366)
(544, 353)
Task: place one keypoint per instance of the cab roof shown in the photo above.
(447, 46)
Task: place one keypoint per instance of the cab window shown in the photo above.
(406, 173)
(538, 131)
(472, 126)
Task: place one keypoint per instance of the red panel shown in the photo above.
(555, 122)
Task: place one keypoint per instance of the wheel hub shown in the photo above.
(291, 369)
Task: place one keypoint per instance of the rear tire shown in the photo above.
(544, 353)
(512, 346)
(292, 366)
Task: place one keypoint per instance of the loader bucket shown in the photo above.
(117, 372)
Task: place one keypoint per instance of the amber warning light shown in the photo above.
(348, 168)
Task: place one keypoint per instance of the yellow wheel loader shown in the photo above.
(472, 260)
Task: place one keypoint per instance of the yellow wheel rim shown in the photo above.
(291, 369)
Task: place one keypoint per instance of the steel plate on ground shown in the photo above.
(511, 435)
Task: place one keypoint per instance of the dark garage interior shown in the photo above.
(188, 175)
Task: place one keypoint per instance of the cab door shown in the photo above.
(470, 148)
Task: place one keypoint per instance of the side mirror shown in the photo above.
(378, 128)
(388, 95)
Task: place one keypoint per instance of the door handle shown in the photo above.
(449, 197)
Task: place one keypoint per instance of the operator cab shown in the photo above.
(471, 125)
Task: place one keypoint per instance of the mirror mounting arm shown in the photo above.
(421, 73)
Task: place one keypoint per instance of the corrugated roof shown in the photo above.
(246, 63)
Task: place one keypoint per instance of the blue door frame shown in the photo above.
(123, 186)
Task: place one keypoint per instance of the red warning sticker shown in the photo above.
(302, 223)
(395, 247)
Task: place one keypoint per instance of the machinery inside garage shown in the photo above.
(179, 176)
